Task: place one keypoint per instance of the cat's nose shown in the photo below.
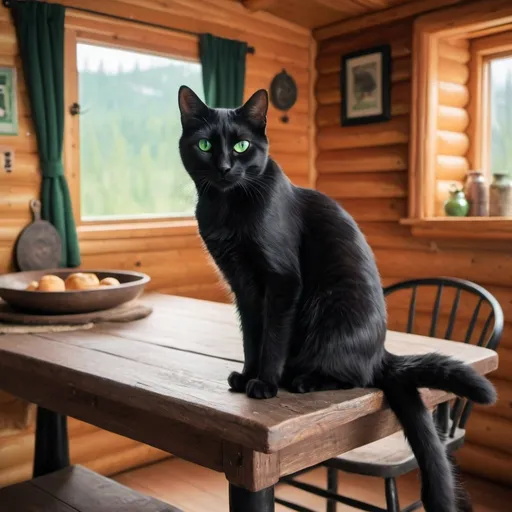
(224, 169)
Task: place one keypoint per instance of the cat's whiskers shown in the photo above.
(204, 186)
(245, 189)
(248, 189)
(257, 185)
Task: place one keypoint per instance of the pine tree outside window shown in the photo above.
(130, 167)
(500, 85)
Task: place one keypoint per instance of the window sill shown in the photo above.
(135, 229)
(472, 228)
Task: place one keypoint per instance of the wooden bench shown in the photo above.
(76, 489)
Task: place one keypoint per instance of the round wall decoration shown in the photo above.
(283, 93)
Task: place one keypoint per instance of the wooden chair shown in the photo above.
(76, 489)
(391, 457)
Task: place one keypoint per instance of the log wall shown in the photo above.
(452, 119)
(366, 169)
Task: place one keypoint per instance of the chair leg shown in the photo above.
(51, 443)
(332, 486)
(392, 503)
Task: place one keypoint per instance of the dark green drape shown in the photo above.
(40, 32)
(223, 63)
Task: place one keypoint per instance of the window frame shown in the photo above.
(486, 20)
(85, 28)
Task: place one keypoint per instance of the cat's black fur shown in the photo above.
(306, 286)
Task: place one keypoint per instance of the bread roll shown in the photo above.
(109, 281)
(74, 281)
(92, 279)
(82, 281)
(33, 286)
(50, 283)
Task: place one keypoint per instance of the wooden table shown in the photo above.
(162, 381)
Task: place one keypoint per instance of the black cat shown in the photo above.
(306, 285)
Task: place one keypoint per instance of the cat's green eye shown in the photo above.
(241, 146)
(204, 145)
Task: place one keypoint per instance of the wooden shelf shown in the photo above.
(475, 228)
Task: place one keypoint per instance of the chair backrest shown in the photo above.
(484, 335)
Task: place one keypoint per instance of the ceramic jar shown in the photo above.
(500, 196)
(477, 194)
(456, 205)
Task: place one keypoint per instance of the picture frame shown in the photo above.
(365, 83)
(8, 102)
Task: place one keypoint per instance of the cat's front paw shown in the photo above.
(238, 382)
(259, 389)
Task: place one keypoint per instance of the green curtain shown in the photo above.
(40, 32)
(223, 63)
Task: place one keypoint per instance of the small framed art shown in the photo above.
(8, 104)
(365, 83)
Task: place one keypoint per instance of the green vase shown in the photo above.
(456, 205)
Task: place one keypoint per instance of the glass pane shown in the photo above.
(130, 165)
(501, 115)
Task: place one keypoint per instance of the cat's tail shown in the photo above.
(436, 371)
(400, 379)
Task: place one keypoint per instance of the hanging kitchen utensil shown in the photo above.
(38, 246)
(283, 93)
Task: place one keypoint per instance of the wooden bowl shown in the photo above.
(12, 291)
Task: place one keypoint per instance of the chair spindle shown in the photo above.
(472, 323)
(435, 313)
(487, 324)
(412, 310)
(453, 315)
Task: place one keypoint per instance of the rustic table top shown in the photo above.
(163, 381)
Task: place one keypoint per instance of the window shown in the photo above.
(129, 127)
(461, 115)
(500, 88)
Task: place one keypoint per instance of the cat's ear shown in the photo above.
(190, 103)
(255, 108)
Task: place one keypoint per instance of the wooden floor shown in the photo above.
(195, 489)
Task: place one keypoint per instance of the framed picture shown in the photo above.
(366, 86)
(8, 102)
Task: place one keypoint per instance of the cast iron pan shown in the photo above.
(38, 246)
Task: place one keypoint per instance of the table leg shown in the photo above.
(242, 500)
(332, 486)
(51, 445)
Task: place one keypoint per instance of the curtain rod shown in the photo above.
(10, 3)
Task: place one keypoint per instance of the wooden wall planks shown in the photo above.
(17, 186)
(366, 168)
(98, 450)
(452, 119)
